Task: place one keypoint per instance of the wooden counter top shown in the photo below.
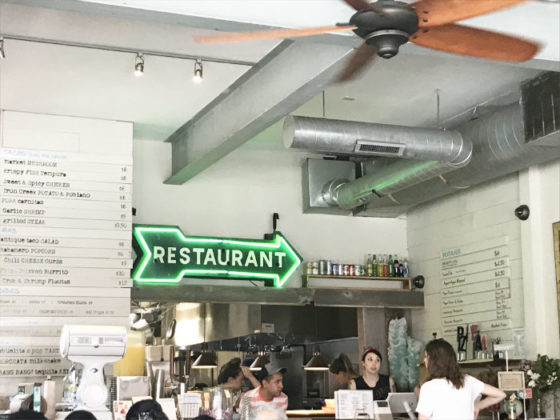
(309, 414)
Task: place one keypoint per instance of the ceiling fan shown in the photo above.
(387, 24)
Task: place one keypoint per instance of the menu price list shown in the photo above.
(475, 286)
(65, 248)
(31, 356)
(64, 215)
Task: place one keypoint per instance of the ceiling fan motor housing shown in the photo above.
(386, 32)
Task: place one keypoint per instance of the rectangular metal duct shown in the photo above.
(540, 100)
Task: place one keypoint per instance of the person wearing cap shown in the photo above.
(380, 384)
(232, 377)
(269, 395)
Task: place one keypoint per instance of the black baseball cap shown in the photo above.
(274, 371)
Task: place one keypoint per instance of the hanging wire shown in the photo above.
(437, 108)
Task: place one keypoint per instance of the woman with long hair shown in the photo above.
(449, 394)
(380, 384)
(342, 369)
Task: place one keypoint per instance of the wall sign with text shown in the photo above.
(166, 255)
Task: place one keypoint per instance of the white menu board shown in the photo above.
(65, 234)
(475, 286)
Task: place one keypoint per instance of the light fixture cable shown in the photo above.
(139, 65)
(207, 359)
(317, 362)
(198, 71)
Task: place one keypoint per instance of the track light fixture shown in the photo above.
(2, 52)
(206, 360)
(139, 65)
(317, 362)
(198, 71)
(261, 360)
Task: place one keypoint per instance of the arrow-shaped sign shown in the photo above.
(166, 255)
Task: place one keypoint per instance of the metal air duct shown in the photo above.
(365, 139)
(503, 142)
(440, 151)
(499, 149)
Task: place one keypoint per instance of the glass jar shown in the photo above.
(132, 363)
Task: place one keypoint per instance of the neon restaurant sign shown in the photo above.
(166, 255)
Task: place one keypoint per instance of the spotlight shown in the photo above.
(2, 52)
(197, 78)
(139, 65)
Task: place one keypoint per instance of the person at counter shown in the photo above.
(269, 395)
(232, 375)
(342, 369)
(449, 394)
(380, 384)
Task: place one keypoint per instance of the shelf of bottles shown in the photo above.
(385, 266)
(378, 272)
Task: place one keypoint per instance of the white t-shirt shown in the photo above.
(439, 399)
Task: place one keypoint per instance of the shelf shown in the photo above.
(488, 362)
(353, 298)
(327, 276)
(324, 281)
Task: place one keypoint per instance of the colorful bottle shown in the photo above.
(390, 266)
(369, 268)
(380, 266)
(374, 266)
(396, 270)
(405, 268)
(385, 266)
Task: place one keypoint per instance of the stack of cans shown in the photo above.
(327, 268)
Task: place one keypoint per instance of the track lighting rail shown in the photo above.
(145, 52)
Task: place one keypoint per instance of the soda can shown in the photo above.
(334, 269)
(329, 268)
(357, 270)
(315, 269)
(340, 269)
(310, 267)
(322, 267)
(351, 271)
(346, 270)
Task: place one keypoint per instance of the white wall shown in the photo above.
(237, 196)
(539, 187)
(486, 212)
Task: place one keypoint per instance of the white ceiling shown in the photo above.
(56, 79)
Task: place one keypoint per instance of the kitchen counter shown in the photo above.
(310, 414)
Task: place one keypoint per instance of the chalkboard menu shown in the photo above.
(65, 234)
(475, 287)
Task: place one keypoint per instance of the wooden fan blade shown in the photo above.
(361, 57)
(441, 12)
(360, 5)
(271, 34)
(465, 40)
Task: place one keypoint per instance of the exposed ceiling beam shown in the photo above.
(286, 78)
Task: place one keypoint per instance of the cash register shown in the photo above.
(397, 403)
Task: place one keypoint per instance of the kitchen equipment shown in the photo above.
(217, 403)
(93, 346)
(158, 390)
